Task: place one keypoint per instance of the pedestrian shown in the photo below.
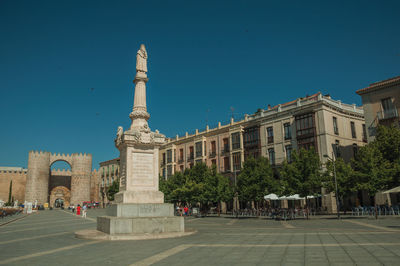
(73, 208)
(186, 210)
(84, 211)
(78, 210)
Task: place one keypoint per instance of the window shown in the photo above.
(353, 130)
(169, 156)
(226, 145)
(305, 131)
(288, 131)
(191, 153)
(227, 166)
(336, 149)
(213, 149)
(235, 140)
(163, 159)
(364, 133)
(199, 150)
(335, 126)
(270, 134)
(236, 161)
(180, 155)
(355, 150)
(169, 170)
(271, 156)
(164, 172)
(251, 137)
(181, 168)
(387, 105)
(288, 150)
(214, 162)
(199, 161)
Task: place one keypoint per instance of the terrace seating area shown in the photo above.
(382, 210)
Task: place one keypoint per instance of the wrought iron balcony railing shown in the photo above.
(387, 114)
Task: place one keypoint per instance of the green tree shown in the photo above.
(10, 194)
(112, 190)
(200, 184)
(372, 172)
(346, 182)
(303, 175)
(256, 180)
(377, 165)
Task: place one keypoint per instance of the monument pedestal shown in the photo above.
(139, 218)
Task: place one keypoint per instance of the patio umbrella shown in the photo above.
(393, 190)
(271, 196)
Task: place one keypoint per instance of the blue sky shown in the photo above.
(66, 67)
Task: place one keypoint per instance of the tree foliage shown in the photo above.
(346, 181)
(377, 165)
(256, 180)
(112, 190)
(199, 184)
(303, 175)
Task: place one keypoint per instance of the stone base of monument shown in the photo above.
(134, 221)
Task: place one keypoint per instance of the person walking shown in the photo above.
(84, 210)
(186, 210)
(78, 210)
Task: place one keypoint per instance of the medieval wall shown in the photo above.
(18, 185)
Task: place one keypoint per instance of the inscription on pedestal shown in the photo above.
(143, 173)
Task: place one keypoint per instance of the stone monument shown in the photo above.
(139, 211)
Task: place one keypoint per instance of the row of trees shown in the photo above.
(375, 167)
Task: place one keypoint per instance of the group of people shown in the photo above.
(79, 209)
(182, 211)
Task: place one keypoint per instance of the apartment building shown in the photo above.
(381, 103)
(108, 173)
(315, 120)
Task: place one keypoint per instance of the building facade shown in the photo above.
(108, 173)
(316, 121)
(381, 103)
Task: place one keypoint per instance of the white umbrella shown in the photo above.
(271, 196)
(294, 197)
(393, 190)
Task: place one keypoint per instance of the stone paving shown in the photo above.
(47, 238)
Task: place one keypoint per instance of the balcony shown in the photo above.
(212, 154)
(387, 114)
(225, 150)
(162, 163)
(190, 158)
(181, 160)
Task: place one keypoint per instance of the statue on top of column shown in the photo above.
(141, 59)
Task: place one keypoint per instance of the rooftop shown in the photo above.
(379, 84)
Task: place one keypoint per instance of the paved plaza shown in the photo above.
(47, 238)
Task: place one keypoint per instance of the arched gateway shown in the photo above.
(70, 191)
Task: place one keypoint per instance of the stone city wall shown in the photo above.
(18, 185)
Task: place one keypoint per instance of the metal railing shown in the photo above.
(387, 114)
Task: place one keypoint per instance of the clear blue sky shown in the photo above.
(66, 67)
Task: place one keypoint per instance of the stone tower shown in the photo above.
(37, 181)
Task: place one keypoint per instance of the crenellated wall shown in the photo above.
(18, 184)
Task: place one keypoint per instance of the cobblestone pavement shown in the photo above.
(47, 238)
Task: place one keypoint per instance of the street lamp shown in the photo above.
(336, 188)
